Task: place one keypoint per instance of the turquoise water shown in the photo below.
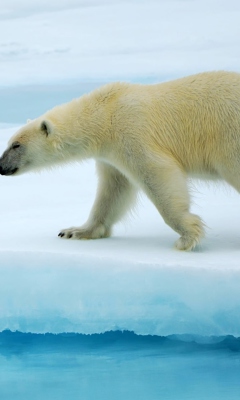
(117, 365)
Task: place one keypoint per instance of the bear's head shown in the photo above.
(69, 132)
(36, 145)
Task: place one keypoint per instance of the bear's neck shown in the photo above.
(85, 127)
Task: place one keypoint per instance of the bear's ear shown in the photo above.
(46, 127)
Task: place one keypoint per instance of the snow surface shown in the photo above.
(134, 280)
(66, 40)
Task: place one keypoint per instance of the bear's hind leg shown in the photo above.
(166, 186)
(115, 196)
(231, 176)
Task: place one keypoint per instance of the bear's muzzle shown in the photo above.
(11, 159)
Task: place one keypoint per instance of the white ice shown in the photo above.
(134, 280)
(62, 41)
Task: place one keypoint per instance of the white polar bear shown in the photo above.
(148, 137)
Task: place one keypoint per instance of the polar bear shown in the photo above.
(148, 137)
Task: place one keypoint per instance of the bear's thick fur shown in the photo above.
(148, 137)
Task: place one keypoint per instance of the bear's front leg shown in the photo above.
(115, 196)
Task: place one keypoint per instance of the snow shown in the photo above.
(132, 40)
(134, 280)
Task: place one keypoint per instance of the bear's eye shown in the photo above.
(15, 145)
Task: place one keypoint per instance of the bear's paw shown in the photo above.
(84, 232)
